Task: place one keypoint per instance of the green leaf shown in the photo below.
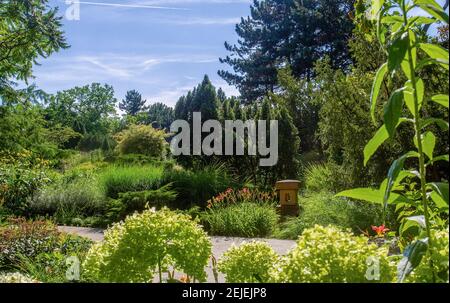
(408, 93)
(392, 111)
(441, 99)
(440, 193)
(433, 8)
(440, 158)
(397, 51)
(428, 144)
(412, 42)
(376, 7)
(372, 146)
(439, 122)
(420, 20)
(436, 52)
(412, 256)
(392, 19)
(393, 173)
(409, 229)
(405, 63)
(404, 174)
(372, 195)
(426, 62)
(376, 89)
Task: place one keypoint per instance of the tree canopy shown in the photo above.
(280, 32)
(29, 29)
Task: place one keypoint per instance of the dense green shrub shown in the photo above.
(142, 139)
(52, 267)
(95, 141)
(20, 177)
(122, 179)
(82, 198)
(26, 238)
(440, 256)
(241, 220)
(248, 263)
(138, 201)
(144, 244)
(322, 208)
(133, 159)
(328, 254)
(196, 187)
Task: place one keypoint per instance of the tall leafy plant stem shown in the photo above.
(417, 127)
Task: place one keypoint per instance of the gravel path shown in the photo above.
(219, 244)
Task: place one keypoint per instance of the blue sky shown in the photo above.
(162, 48)
(162, 52)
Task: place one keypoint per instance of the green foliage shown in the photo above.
(135, 249)
(21, 175)
(52, 267)
(319, 177)
(202, 98)
(241, 220)
(321, 208)
(131, 202)
(22, 128)
(133, 103)
(81, 198)
(329, 255)
(408, 51)
(85, 109)
(344, 126)
(439, 254)
(142, 139)
(248, 263)
(132, 160)
(276, 32)
(160, 114)
(26, 238)
(63, 136)
(122, 179)
(28, 30)
(298, 98)
(196, 187)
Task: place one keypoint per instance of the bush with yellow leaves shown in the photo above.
(147, 244)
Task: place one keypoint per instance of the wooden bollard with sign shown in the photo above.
(288, 197)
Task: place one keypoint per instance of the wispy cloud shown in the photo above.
(168, 2)
(125, 67)
(130, 5)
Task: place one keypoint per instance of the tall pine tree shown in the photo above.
(297, 32)
(133, 103)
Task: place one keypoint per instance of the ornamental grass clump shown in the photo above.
(147, 244)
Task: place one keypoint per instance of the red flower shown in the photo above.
(380, 230)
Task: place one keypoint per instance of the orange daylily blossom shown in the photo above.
(185, 279)
(380, 230)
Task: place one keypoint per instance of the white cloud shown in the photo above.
(140, 6)
(120, 66)
(168, 2)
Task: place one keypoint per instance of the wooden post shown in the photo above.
(288, 197)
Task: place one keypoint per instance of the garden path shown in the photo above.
(219, 244)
